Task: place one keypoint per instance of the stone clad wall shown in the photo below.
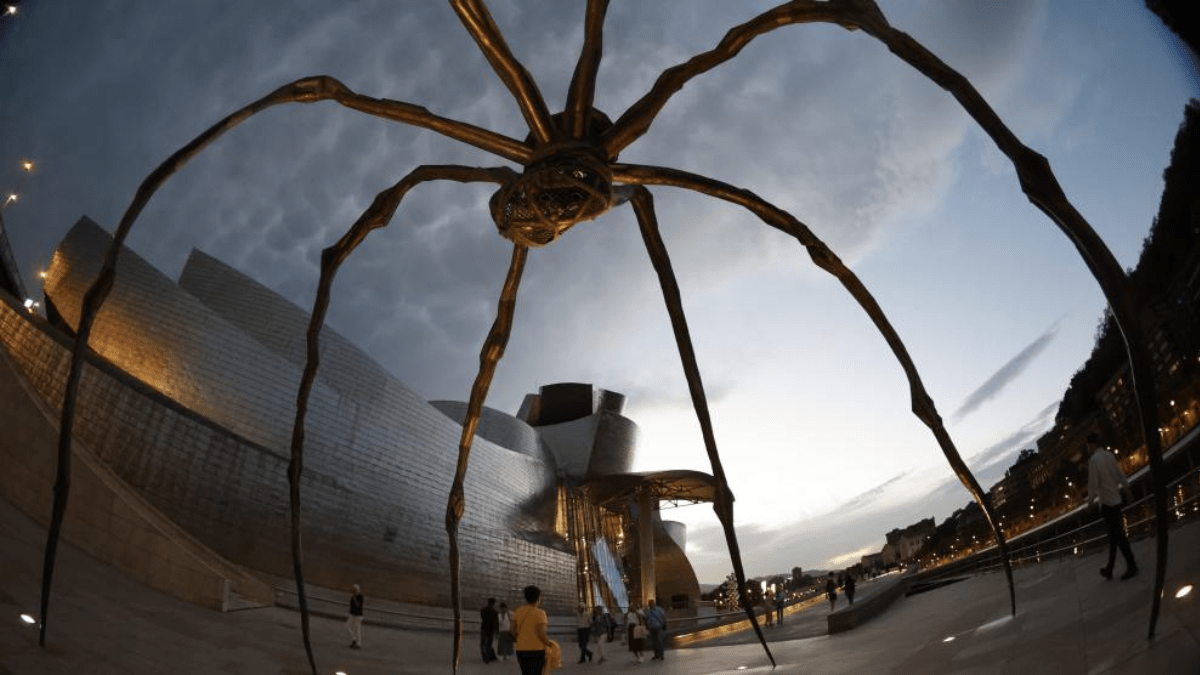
(378, 460)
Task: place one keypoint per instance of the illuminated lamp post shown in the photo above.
(10, 262)
(26, 165)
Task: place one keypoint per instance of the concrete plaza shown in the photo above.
(1069, 621)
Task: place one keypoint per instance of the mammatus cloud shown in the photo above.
(1006, 375)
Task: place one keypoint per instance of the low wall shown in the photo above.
(688, 637)
(870, 606)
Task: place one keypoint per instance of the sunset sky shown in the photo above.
(810, 408)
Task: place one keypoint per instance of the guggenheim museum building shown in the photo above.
(181, 444)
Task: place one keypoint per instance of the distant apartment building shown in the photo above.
(906, 542)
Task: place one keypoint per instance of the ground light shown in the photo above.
(1183, 591)
(30, 620)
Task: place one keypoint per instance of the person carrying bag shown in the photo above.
(529, 625)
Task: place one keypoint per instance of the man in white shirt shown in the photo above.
(1105, 482)
(583, 630)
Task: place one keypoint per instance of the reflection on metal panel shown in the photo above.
(610, 571)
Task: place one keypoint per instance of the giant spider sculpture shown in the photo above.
(569, 174)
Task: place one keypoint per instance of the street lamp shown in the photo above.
(26, 164)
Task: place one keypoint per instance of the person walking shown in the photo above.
(504, 635)
(656, 622)
(849, 586)
(831, 592)
(1106, 482)
(636, 629)
(354, 621)
(489, 625)
(601, 625)
(583, 632)
(780, 601)
(530, 625)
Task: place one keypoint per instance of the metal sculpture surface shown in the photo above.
(570, 174)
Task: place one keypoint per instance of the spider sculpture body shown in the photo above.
(570, 174)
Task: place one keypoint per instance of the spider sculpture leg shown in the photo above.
(377, 216)
(1043, 190)
(922, 404)
(478, 22)
(1037, 181)
(489, 356)
(306, 90)
(643, 206)
(582, 91)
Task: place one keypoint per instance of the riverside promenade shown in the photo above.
(1069, 621)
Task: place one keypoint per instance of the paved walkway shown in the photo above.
(1069, 621)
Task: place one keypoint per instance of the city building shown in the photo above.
(906, 542)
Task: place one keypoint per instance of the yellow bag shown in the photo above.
(553, 657)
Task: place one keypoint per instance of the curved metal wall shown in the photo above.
(677, 531)
(613, 447)
(676, 582)
(502, 429)
(565, 402)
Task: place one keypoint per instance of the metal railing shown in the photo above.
(1080, 531)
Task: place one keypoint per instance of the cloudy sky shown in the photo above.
(811, 411)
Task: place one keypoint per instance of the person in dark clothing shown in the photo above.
(849, 587)
(489, 626)
(354, 621)
(656, 622)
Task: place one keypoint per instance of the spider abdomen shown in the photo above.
(550, 196)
